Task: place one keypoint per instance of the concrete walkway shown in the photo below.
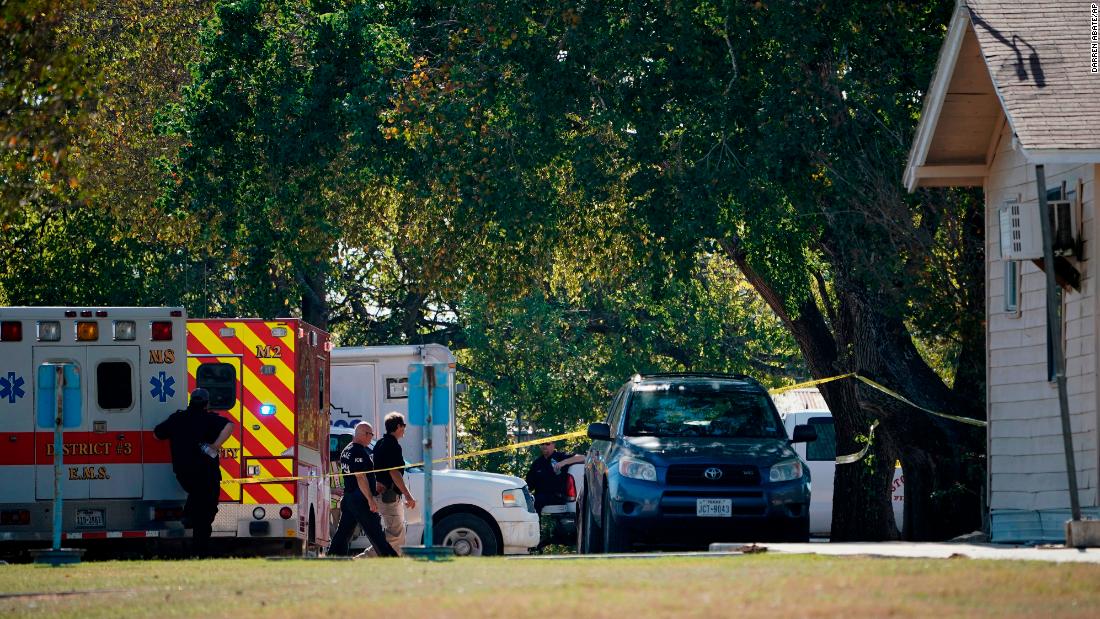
(929, 550)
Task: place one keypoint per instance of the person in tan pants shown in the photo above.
(395, 495)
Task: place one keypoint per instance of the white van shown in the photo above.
(820, 456)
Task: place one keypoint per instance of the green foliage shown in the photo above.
(281, 138)
(545, 365)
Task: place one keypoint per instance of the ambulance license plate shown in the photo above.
(90, 518)
(714, 508)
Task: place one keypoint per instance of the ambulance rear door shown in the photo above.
(73, 484)
(114, 469)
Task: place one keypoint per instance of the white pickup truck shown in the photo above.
(820, 457)
(475, 513)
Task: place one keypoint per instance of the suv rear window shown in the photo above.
(701, 409)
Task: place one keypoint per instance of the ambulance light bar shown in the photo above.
(11, 331)
(85, 313)
(87, 331)
(49, 331)
(125, 330)
(162, 331)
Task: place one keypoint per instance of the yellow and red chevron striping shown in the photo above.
(282, 492)
(267, 439)
(265, 435)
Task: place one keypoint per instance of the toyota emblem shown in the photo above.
(713, 473)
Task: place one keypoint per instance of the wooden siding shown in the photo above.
(1026, 461)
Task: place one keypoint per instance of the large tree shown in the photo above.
(777, 131)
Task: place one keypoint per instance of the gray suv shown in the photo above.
(689, 459)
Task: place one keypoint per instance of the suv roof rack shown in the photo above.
(638, 377)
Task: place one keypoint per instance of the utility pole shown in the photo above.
(1054, 332)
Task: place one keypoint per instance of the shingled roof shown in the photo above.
(1037, 56)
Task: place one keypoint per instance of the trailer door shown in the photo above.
(114, 468)
(75, 440)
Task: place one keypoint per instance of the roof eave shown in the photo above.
(933, 101)
(1037, 156)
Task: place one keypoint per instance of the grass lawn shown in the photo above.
(737, 586)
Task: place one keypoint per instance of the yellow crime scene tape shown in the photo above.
(473, 454)
(848, 459)
(856, 457)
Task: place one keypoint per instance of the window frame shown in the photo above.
(1012, 283)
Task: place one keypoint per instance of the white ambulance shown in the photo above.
(117, 477)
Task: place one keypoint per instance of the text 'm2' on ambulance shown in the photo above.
(271, 379)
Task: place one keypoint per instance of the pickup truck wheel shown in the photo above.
(615, 539)
(467, 534)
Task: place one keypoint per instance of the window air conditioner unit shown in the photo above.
(1022, 235)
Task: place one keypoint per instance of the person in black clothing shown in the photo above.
(196, 434)
(544, 478)
(359, 505)
(547, 482)
(388, 455)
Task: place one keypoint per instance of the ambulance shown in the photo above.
(271, 379)
(117, 481)
(135, 367)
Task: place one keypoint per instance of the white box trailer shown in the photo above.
(117, 477)
(368, 382)
(474, 513)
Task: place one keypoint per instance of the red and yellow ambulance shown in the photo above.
(270, 378)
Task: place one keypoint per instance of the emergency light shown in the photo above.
(49, 331)
(125, 330)
(87, 331)
(267, 410)
(11, 331)
(162, 331)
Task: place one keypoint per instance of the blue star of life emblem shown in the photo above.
(11, 388)
(162, 386)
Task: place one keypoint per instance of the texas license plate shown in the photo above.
(89, 518)
(714, 508)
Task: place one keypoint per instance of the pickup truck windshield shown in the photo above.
(703, 409)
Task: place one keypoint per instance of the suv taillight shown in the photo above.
(570, 487)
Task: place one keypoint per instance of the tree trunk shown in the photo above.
(865, 339)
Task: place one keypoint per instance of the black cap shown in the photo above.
(200, 396)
